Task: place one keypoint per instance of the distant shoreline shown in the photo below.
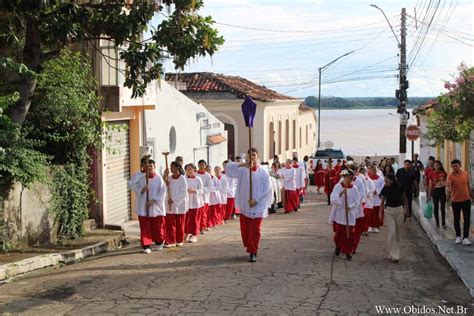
(363, 108)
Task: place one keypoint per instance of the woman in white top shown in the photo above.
(196, 204)
(177, 205)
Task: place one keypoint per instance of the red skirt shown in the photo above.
(343, 242)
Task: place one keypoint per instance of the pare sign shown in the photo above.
(412, 132)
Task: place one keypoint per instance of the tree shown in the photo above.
(453, 117)
(34, 31)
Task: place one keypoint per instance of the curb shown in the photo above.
(13, 269)
(439, 244)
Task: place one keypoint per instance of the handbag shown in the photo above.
(428, 212)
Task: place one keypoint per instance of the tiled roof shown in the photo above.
(304, 108)
(211, 82)
(428, 105)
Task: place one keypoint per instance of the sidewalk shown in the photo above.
(461, 258)
(98, 241)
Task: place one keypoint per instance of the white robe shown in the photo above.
(223, 188)
(232, 182)
(370, 193)
(262, 191)
(214, 192)
(178, 192)
(361, 189)
(379, 184)
(299, 177)
(157, 194)
(206, 183)
(195, 199)
(289, 178)
(338, 210)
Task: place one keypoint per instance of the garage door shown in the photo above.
(117, 166)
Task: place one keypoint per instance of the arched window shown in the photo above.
(301, 136)
(172, 140)
(287, 131)
(307, 135)
(271, 141)
(294, 135)
(279, 137)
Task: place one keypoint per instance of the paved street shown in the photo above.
(297, 273)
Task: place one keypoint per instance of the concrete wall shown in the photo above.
(175, 110)
(26, 211)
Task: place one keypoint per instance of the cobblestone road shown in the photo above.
(297, 274)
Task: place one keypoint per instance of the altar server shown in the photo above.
(207, 183)
(177, 205)
(232, 183)
(196, 203)
(379, 183)
(288, 175)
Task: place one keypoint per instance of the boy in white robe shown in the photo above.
(223, 190)
(207, 183)
(344, 212)
(379, 183)
(177, 205)
(288, 174)
(299, 180)
(196, 203)
(254, 209)
(150, 213)
(214, 201)
(232, 182)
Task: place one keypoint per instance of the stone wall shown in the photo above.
(25, 211)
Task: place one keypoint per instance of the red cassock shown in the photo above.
(319, 176)
(330, 180)
(343, 242)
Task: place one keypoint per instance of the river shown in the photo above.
(364, 132)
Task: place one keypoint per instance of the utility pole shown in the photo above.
(401, 93)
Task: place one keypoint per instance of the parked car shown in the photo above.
(324, 155)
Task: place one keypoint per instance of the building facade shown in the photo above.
(282, 125)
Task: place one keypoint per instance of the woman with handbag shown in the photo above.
(437, 191)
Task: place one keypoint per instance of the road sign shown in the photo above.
(412, 132)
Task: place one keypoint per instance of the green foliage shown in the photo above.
(65, 117)
(361, 103)
(70, 199)
(65, 112)
(52, 25)
(20, 159)
(453, 117)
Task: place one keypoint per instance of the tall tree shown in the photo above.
(34, 31)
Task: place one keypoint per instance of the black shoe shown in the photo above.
(337, 251)
(253, 257)
(348, 257)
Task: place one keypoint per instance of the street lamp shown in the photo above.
(389, 24)
(320, 69)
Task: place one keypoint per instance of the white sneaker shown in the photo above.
(234, 216)
(187, 237)
(458, 240)
(169, 245)
(147, 251)
(180, 244)
(193, 239)
(466, 242)
(158, 247)
(376, 230)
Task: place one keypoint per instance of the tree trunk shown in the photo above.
(31, 58)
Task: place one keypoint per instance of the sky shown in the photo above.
(281, 44)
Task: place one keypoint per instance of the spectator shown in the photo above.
(394, 205)
(388, 169)
(459, 193)
(394, 164)
(406, 179)
(428, 169)
(417, 166)
(437, 191)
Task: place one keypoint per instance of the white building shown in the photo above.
(185, 128)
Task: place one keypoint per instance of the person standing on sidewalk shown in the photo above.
(253, 209)
(437, 191)
(427, 172)
(417, 166)
(459, 193)
(406, 179)
(394, 203)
